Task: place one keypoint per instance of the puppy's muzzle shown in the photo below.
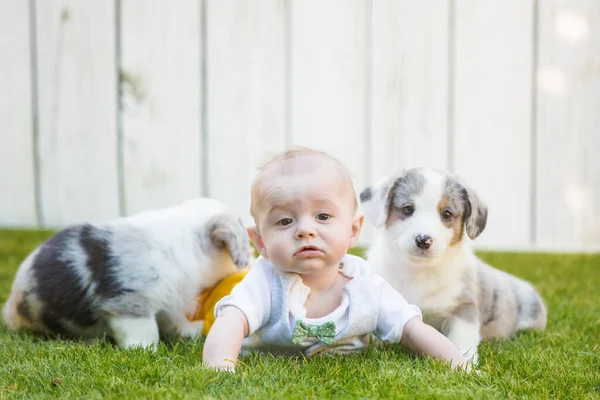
(423, 241)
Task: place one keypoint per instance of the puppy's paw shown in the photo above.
(134, 332)
(190, 329)
(471, 355)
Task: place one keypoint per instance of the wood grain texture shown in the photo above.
(246, 94)
(329, 80)
(161, 88)
(568, 125)
(17, 180)
(491, 143)
(409, 58)
(77, 95)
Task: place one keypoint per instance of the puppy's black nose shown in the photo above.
(423, 241)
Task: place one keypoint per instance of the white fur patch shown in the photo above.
(466, 336)
(135, 332)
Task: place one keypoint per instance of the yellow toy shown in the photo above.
(205, 303)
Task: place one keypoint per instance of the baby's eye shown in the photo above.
(323, 217)
(284, 221)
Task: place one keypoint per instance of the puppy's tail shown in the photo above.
(227, 232)
(12, 313)
(533, 313)
(9, 314)
(17, 313)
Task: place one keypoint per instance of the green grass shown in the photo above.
(563, 361)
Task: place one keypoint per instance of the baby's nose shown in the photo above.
(305, 231)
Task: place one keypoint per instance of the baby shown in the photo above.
(305, 294)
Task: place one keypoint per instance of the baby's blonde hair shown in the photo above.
(290, 154)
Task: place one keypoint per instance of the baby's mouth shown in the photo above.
(308, 251)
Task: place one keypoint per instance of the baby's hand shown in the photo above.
(224, 340)
(226, 366)
(424, 339)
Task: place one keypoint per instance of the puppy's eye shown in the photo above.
(323, 217)
(447, 215)
(285, 221)
(408, 210)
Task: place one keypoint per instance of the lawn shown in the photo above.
(563, 361)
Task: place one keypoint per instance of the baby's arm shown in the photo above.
(424, 339)
(238, 315)
(224, 340)
(399, 321)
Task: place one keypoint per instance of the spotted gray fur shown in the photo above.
(477, 219)
(402, 192)
(58, 286)
(493, 308)
(366, 195)
(228, 233)
(100, 261)
(457, 200)
(465, 203)
(87, 276)
(466, 308)
(24, 309)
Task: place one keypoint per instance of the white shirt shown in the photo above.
(273, 302)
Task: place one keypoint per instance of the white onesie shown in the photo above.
(273, 303)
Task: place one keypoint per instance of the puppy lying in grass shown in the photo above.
(422, 251)
(131, 278)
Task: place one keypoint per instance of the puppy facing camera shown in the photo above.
(426, 218)
(131, 279)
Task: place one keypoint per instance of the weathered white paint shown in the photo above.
(568, 124)
(409, 87)
(409, 58)
(77, 104)
(17, 179)
(161, 86)
(328, 79)
(246, 94)
(328, 95)
(491, 141)
(381, 84)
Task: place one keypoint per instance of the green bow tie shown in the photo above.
(324, 332)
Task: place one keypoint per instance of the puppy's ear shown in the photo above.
(227, 232)
(375, 201)
(477, 213)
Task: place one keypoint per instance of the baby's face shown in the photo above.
(307, 219)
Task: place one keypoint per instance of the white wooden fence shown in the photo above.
(111, 107)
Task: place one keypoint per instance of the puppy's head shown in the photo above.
(424, 212)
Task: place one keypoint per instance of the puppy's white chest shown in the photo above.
(429, 296)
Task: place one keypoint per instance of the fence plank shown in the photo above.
(328, 85)
(161, 89)
(328, 78)
(492, 121)
(77, 110)
(409, 86)
(568, 125)
(246, 94)
(17, 203)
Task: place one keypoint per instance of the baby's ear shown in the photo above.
(375, 201)
(356, 229)
(257, 240)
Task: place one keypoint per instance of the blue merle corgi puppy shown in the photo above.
(427, 220)
(130, 279)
